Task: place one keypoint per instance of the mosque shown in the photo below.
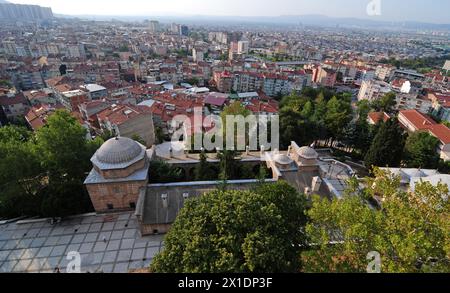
(119, 179)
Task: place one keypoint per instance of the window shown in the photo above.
(110, 206)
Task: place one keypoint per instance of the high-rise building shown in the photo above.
(9, 47)
(371, 90)
(24, 12)
(198, 55)
(175, 28)
(154, 26)
(243, 47)
(184, 30)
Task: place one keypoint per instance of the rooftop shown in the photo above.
(118, 153)
(106, 243)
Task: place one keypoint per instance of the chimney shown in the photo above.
(165, 201)
(316, 183)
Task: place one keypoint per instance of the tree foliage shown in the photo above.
(314, 115)
(387, 146)
(161, 172)
(420, 151)
(236, 231)
(411, 230)
(202, 169)
(37, 170)
(385, 103)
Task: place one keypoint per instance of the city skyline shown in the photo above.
(397, 10)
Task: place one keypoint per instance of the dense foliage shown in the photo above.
(420, 151)
(236, 231)
(411, 231)
(42, 173)
(314, 116)
(420, 64)
(387, 146)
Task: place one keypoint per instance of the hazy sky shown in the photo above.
(437, 11)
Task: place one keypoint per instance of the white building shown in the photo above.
(243, 47)
(154, 26)
(372, 90)
(198, 55)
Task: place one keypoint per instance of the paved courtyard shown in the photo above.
(106, 243)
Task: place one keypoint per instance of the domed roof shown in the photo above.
(308, 153)
(283, 159)
(118, 152)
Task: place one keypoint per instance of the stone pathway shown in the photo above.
(109, 244)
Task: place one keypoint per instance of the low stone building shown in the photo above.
(119, 179)
(120, 171)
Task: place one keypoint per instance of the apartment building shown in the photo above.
(413, 120)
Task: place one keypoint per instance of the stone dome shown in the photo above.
(119, 151)
(308, 153)
(283, 159)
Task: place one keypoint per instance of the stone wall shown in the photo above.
(120, 195)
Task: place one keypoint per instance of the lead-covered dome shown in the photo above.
(118, 153)
(283, 159)
(308, 153)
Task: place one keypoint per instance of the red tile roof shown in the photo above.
(17, 99)
(424, 123)
(376, 117)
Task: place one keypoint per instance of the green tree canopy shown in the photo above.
(387, 146)
(202, 169)
(236, 231)
(386, 103)
(420, 151)
(63, 147)
(337, 117)
(37, 170)
(410, 232)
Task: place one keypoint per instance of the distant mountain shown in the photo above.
(313, 20)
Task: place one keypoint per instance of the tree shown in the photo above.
(37, 171)
(236, 231)
(410, 231)
(65, 154)
(159, 133)
(202, 170)
(235, 109)
(420, 151)
(385, 104)
(21, 174)
(65, 198)
(387, 146)
(139, 139)
(337, 117)
(63, 147)
(358, 135)
(308, 110)
(293, 127)
(320, 109)
(63, 69)
(364, 108)
(161, 172)
(229, 167)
